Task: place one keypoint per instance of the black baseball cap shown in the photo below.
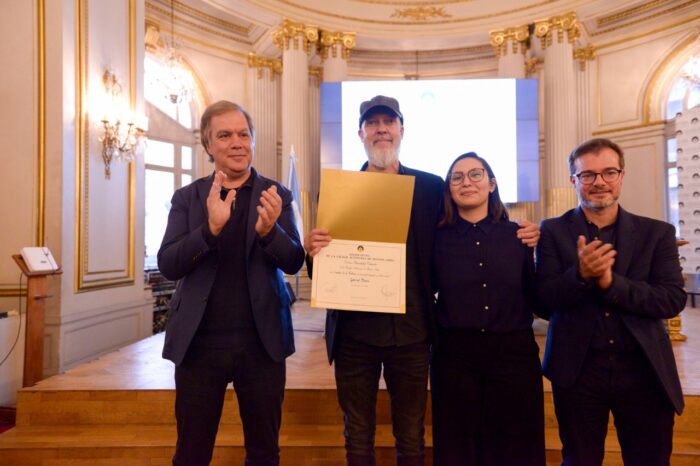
(380, 102)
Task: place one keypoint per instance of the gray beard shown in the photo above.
(597, 206)
(382, 158)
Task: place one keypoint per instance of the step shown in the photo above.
(111, 445)
(153, 445)
(301, 406)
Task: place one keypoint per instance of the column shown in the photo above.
(335, 52)
(584, 72)
(295, 39)
(510, 46)
(263, 83)
(557, 35)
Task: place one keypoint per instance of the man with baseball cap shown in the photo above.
(362, 344)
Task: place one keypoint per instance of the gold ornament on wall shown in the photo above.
(566, 23)
(518, 36)
(330, 40)
(260, 63)
(421, 14)
(294, 32)
(583, 55)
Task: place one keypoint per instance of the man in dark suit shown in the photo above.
(608, 279)
(229, 237)
(362, 344)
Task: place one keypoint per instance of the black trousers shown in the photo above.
(488, 401)
(624, 384)
(200, 386)
(358, 367)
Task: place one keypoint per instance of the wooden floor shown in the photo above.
(140, 366)
(118, 410)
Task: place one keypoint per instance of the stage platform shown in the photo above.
(118, 410)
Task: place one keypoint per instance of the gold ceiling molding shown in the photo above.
(260, 63)
(329, 40)
(404, 3)
(197, 14)
(583, 55)
(651, 17)
(484, 49)
(566, 22)
(196, 41)
(517, 36)
(39, 240)
(648, 33)
(415, 23)
(629, 12)
(421, 14)
(197, 26)
(454, 61)
(450, 74)
(292, 32)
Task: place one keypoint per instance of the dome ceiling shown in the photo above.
(405, 25)
(419, 24)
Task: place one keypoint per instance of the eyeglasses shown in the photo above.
(608, 175)
(475, 175)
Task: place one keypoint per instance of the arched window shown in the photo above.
(685, 94)
(170, 152)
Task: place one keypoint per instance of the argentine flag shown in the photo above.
(293, 186)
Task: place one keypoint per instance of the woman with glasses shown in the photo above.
(486, 381)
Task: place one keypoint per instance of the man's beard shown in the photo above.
(383, 158)
(597, 206)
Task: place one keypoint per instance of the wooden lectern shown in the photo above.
(34, 332)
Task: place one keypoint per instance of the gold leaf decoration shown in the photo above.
(422, 13)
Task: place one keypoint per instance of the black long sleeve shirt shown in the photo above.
(611, 333)
(485, 277)
(228, 317)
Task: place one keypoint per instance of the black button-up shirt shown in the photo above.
(611, 333)
(395, 329)
(485, 277)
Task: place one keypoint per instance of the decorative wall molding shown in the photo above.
(517, 37)
(88, 278)
(333, 41)
(565, 23)
(295, 34)
(273, 65)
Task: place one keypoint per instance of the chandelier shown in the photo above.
(691, 71)
(178, 83)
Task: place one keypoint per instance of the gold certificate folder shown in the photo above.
(365, 206)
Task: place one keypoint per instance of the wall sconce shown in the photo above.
(123, 134)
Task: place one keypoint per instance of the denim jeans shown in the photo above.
(358, 367)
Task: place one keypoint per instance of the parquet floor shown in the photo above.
(118, 410)
(140, 366)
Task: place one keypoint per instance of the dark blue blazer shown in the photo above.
(647, 288)
(427, 196)
(185, 256)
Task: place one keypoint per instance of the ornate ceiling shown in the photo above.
(409, 25)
